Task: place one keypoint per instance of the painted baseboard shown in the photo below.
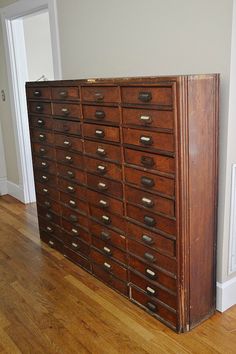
(15, 191)
(225, 295)
(3, 185)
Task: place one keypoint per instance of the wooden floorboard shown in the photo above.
(49, 305)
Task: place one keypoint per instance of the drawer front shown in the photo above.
(152, 257)
(147, 139)
(49, 192)
(66, 127)
(49, 204)
(151, 273)
(100, 94)
(75, 232)
(108, 219)
(66, 110)
(73, 203)
(105, 203)
(151, 220)
(69, 158)
(161, 96)
(148, 118)
(48, 215)
(150, 182)
(113, 282)
(44, 151)
(103, 168)
(74, 190)
(45, 165)
(65, 93)
(108, 264)
(150, 201)
(105, 185)
(39, 92)
(103, 151)
(40, 122)
(42, 136)
(109, 250)
(102, 132)
(50, 228)
(75, 218)
(45, 178)
(101, 114)
(51, 241)
(107, 235)
(154, 307)
(68, 142)
(40, 108)
(77, 258)
(72, 174)
(150, 161)
(152, 290)
(77, 246)
(151, 239)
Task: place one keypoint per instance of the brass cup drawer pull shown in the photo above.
(101, 152)
(106, 219)
(147, 161)
(101, 169)
(48, 216)
(72, 203)
(105, 236)
(74, 231)
(145, 96)
(63, 94)
(68, 159)
(51, 243)
(47, 204)
(107, 250)
(99, 96)
(37, 93)
(149, 221)
(49, 229)
(102, 186)
(151, 306)
(70, 174)
(147, 182)
(66, 128)
(39, 108)
(42, 137)
(40, 122)
(75, 245)
(145, 119)
(147, 239)
(100, 114)
(107, 266)
(103, 203)
(147, 202)
(71, 189)
(150, 273)
(99, 133)
(67, 143)
(44, 164)
(73, 218)
(149, 257)
(42, 151)
(45, 190)
(44, 178)
(146, 140)
(150, 291)
(65, 111)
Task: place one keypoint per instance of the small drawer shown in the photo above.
(151, 239)
(42, 136)
(104, 202)
(152, 257)
(109, 265)
(40, 122)
(45, 165)
(77, 258)
(152, 290)
(65, 93)
(103, 151)
(150, 201)
(74, 203)
(105, 186)
(69, 158)
(77, 246)
(150, 182)
(148, 118)
(67, 127)
(74, 190)
(107, 235)
(102, 114)
(106, 218)
(103, 168)
(153, 307)
(148, 95)
(151, 273)
(53, 242)
(68, 142)
(75, 232)
(71, 174)
(74, 217)
(39, 92)
(49, 204)
(48, 215)
(46, 152)
(100, 94)
(45, 178)
(50, 228)
(39, 108)
(150, 161)
(151, 220)
(47, 191)
(107, 278)
(102, 132)
(147, 139)
(110, 251)
(67, 110)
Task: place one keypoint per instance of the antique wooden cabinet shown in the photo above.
(126, 181)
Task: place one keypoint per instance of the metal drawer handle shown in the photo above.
(37, 93)
(147, 182)
(148, 220)
(44, 178)
(146, 140)
(150, 291)
(151, 307)
(147, 202)
(75, 245)
(102, 186)
(101, 152)
(101, 169)
(47, 204)
(107, 250)
(42, 137)
(68, 159)
(71, 189)
(45, 190)
(73, 218)
(147, 161)
(63, 94)
(40, 122)
(66, 128)
(147, 239)
(66, 143)
(145, 96)
(98, 96)
(39, 108)
(72, 203)
(149, 257)
(106, 219)
(48, 216)
(100, 114)
(74, 231)
(42, 151)
(103, 203)
(51, 243)
(71, 174)
(105, 236)
(150, 274)
(49, 229)
(145, 119)
(99, 133)
(44, 164)
(107, 266)
(65, 111)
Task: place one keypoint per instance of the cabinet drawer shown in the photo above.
(105, 185)
(40, 122)
(147, 139)
(74, 190)
(148, 118)
(74, 203)
(108, 264)
(150, 201)
(152, 257)
(66, 110)
(71, 174)
(68, 142)
(151, 220)
(49, 204)
(45, 165)
(103, 168)
(75, 231)
(161, 96)
(102, 132)
(107, 278)
(39, 92)
(65, 93)
(69, 158)
(106, 218)
(39, 108)
(43, 150)
(77, 245)
(50, 192)
(103, 151)
(102, 114)
(110, 250)
(45, 178)
(100, 94)
(151, 239)
(75, 218)
(77, 258)
(150, 161)
(107, 235)
(48, 215)
(150, 182)
(42, 136)
(50, 228)
(53, 242)
(104, 202)
(67, 127)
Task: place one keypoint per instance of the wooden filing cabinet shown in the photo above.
(126, 184)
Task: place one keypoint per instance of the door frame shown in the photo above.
(18, 106)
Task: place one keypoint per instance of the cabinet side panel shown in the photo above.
(203, 156)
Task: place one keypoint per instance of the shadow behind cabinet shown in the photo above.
(126, 183)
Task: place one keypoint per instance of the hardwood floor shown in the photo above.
(49, 305)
